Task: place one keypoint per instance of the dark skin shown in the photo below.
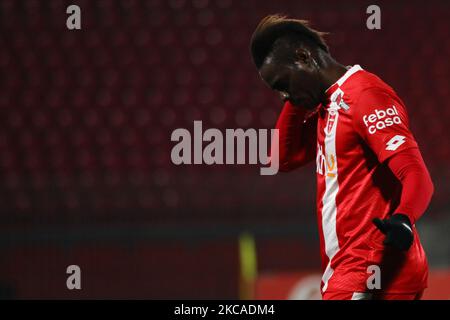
(301, 74)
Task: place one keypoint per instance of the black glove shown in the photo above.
(398, 231)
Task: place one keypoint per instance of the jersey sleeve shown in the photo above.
(380, 118)
(297, 137)
(417, 187)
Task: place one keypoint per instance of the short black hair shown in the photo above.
(273, 27)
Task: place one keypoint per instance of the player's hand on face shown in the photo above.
(398, 231)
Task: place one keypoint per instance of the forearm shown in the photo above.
(295, 137)
(417, 186)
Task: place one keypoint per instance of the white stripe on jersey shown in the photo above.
(329, 209)
(347, 75)
(362, 296)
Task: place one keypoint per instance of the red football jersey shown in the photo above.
(362, 124)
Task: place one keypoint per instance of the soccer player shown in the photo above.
(372, 183)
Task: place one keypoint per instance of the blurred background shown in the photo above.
(85, 122)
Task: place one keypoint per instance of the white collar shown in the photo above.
(347, 74)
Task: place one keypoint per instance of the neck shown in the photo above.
(331, 72)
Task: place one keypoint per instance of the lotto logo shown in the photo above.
(381, 119)
(395, 142)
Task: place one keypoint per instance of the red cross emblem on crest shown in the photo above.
(338, 99)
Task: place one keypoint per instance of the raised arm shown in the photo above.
(297, 137)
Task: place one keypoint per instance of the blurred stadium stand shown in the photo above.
(85, 124)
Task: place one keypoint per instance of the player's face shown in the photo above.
(298, 82)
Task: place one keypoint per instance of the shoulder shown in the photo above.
(367, 92)
(365, 83)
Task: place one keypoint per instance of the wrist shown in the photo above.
(402, 218)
